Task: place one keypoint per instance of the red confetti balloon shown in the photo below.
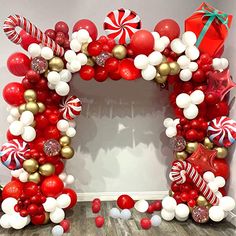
(125, 202)
(27, 39)
(99, 221)
(127, 70)
(12, 189)
(73, 196)
(52, 186)
(145, 223)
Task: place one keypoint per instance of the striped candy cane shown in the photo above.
(13, 21)
(178, 174)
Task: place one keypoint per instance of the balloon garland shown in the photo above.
(42, 113)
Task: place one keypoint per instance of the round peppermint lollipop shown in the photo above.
(222, 131)
(12, 153)
(121, 24)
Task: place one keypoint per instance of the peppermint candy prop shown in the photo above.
(12, 154)
(121, 24)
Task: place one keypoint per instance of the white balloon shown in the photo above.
(191, 112)
(63, 201)
(183, 100)
(192, 52)
(83, 36)
(71, 132)
(208, 176)
(63, 176)
(82, 58)
(189, 38)
(181, 219)
(8, 205)
(165, 40)
(75, 45)
(171, 132)
(155, 35)
(74, 35)
(69, 55)
(57, 230)
(15, 112)
(227, 203)
(169, 204)
(50, 204)
(53, 77)
(167, 215)
(159, 45)
(62, 88)
(63, 125)
(168, 122)
(125, 214)
(216, 213)
(47, 53)
(141, 205)
(185, 75)
(57, 216)
(65, 75)
(16, 173)
(10, 119)
(177, 46)
(5, 221)
(70, 179)
(18, 222)
(149, 73)
(182, 210)
(219, 194)
(34, 50)
(114, 213)
(16, 128)
(193, 66)
(29, 134)
(155, 220)
(27, 118)
(220, 181)
(75, 65)
(24, 177)
(51, 86)
(155, 58)
(141, 61)
(176, 122)
(183, 62)
(197, 97)
(224, 63)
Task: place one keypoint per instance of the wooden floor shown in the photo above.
(82, 224)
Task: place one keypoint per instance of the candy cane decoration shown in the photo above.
(178, 174)
(13, 21)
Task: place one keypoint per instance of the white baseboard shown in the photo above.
(231, 218)
(112, 196)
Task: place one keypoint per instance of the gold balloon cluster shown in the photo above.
(119, 52)
(189, 149)
(67, 152)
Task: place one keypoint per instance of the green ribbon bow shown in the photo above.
(212, 14)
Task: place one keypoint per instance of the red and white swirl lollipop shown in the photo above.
(12, 153)
(121, 24)
(70, 107)
(222, 131)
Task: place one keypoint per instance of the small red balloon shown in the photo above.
(96, 200)
(52, 186)
(96, 207)
(127, 70)
(32, 209)
(100, 74)
(61, 26)
(12, 189)
(125, 202)
(65, 224)
(73, 196)
(30, 189)
(52, 133)
(111, 64)
(157, 205)
(87, 72)
(145, 223)
(99, 221)
(221, 168)
(38, 219)
(27, 39)
(51, 33)
(94, 48)
(150, 209)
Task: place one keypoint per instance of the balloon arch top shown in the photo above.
(42, 113)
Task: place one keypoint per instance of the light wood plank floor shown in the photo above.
(82, 224)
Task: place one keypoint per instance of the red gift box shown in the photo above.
(211, 26)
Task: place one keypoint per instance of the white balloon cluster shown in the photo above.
(11, 218)
(141, 206)
(23, 126)
(65, 127)
(58, 81)
(186, 62)
(220, 64)
(189, 103)
(170, 125)
(160, 43)
(147, 64)
(115, 213)
(35, 50)
(21, 174)
(67, 179)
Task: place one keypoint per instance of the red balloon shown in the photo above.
(27, 39)
(51, 33)
(125, 202)
(100, 74)
(52, 132)
(12, 189)
(157, 205)
(59, 167)
(73, 196)
(52, 186)
(99, 221)
(145, 223)
(111, 64)
(127, 70)
(31, 189)
(32, 209)
(61, 26)
(65, 224)
(169, 28)
(18, 64)
(87, 25)
(221, 168)
(11, 136)
(94, 48)
(13, 94)
(218, 109)
(38, 219)
(96, 200)
(142, 42)
(87, 72)
(96, 208)
(150, 209)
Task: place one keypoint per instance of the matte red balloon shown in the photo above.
(27, 39)
(73, 196)
(52, 186)
(12, 189)
(169, 28)
(142, 42)
(87, 25)
(18, 64)
(13, 94)
(127, 70)
(96, 208)
(99, 221)
(61, 26)
(125, 202)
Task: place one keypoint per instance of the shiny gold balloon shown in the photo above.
(164, 69)
(32, 106)
(84, 49)
(207, 143)
(47, 169)
(164, 59)
(56, 64)
(41, 107)
(67, 152)
(46, 73)
(181, 155)
(201, 201)
(30, 95)
(222, 152)
(174, 68)
(21, 108)
(171, 193)
(46, 218)
(35, 177)
(160, 79)
(90, 62)
(119, 52)
(191, 147)
(30, 165)
(65, 141)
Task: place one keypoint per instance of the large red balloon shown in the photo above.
(27, 39)
(30, 189)
(73, 196)
(12, 189)
(13, 94)
(87, 25)
(169, 28)
(52, 186)
(125, 202)
(18, 64)
(127, 70)
(142, 42)
(221, 168)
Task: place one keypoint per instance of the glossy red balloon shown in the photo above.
(221, 168)
(30, 189)
(87, 72)
(59, 167)
(65, 224)
(96, 208)
(18, 64)
(145, 223)
(157, 205)
(73, 196)
(125, 202)
(52, 132)
(27, 39)
(12, 189)
(127, 70)
(38, 219)
(61, 26)
(52, 186)
(13, 94)
(88, 25)
(99, 221)
(169, 28)
(100, 74)
(142, 42)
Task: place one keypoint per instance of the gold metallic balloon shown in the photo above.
(46, 218)
(32, 106)
(56, 64)
(21, 108)
(35, 177)
(90, 62)
(84, 49)
(46, 73)
(181, 155)
(47, 169)
(164, 69)
(65, 141)
(160, 79)
(119, 52)
(174, 68)
(30, 95)
(191, 147)
(41, 107)
(222, 152)
(201, 201)
(30, 165)
(171, 193)
(67, 152)
(207, 143)
(164, 59)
